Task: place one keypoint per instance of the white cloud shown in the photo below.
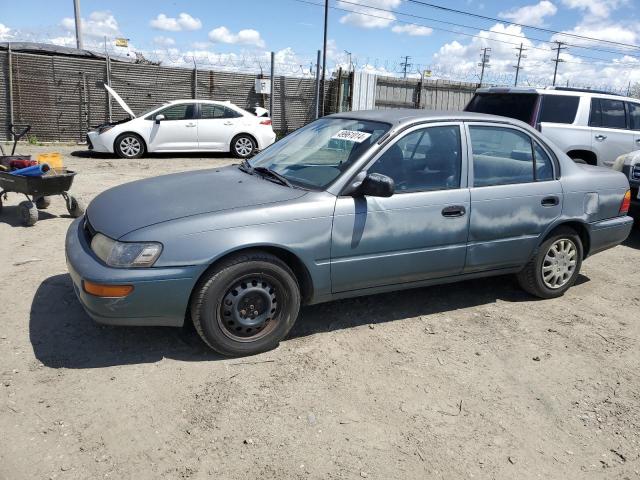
(200, 45)
(531, 14)
(5, 32)
(100, 23)
(164, 41)
(413, 30)
(171, 24)
(243, 37)
(362, 19)
(602, 30)
(598, 8)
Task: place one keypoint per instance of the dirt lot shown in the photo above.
(475, 380)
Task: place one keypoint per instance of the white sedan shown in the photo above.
(185, 126)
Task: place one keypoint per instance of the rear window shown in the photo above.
(513, 105)
(559, 108)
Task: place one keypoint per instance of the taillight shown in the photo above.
(626, 203)
(266, 122)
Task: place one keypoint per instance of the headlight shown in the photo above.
(125, 254)
(105, 128)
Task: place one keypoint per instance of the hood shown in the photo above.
(120, 101)
(139, 204)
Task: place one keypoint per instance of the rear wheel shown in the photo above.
(243, 146)
(246, 305)
(28, 213)
(555, 267)
(129, 145)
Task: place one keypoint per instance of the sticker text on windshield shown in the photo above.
(351, 136)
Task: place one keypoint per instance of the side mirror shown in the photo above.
(377, 185)
(160, 117)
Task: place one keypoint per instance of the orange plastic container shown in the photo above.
(53, 159)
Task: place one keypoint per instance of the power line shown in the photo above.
(457, 32)
(541, 29)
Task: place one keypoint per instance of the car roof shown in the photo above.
(402, 116)
(555, 91)
(197, 100)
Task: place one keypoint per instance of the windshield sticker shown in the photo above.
(351, 136)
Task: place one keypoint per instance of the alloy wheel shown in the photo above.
(130, 146)
(559, 263)
(244, 146)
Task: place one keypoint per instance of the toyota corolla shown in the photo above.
(352, 204)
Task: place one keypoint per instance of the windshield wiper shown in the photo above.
(246, 167)
(267, 172)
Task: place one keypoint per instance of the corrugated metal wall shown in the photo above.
(430, 94)
(62, 97)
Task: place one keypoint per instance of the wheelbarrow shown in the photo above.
(35, 189)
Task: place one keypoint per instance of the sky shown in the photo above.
(239, 34)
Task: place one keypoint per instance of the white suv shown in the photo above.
(590, 126)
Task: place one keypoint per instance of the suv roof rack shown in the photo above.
(586, 90)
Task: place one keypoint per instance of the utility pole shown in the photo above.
(349, 53)
(76, 11)
(520, 57)
(406, 64)
(484, 62)
(324, 54)
(557, 60)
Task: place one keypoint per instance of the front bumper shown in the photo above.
(609, 233)
(97, 144)
(160, 296)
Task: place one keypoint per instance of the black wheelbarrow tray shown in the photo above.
(37, 190)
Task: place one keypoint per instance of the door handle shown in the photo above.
(453, 211)
(550, 201)
(601, 137)
(637, 140)
(189, 125)
(228, 123)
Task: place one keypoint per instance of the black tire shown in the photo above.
(42, 203)
(129, 146)
(531, 277)
(28, 213)
(75, 207)
(219, 304)
(243, 146)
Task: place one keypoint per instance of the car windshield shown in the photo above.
(314, 156)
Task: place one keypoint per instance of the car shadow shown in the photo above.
(110, 156)
(63, 335)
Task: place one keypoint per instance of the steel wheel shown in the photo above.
(249, 309)
(130, 146)
(243, 146)
(559, 263)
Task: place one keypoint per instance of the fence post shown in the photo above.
(273, 73)
(318, 85)
(10, 59)
(195, 79)
(109, 106)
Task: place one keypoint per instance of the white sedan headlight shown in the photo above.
(125, 254)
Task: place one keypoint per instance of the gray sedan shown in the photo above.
(352, 204)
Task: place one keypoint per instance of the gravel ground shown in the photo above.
(473, 380)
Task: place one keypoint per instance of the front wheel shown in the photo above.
(243, 146)
(129, 145)
(75, 207)
(28, 213)
(246, 305)
(555, 267)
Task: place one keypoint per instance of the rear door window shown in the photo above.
(607, 113)
(520, 106)
(559, 108)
